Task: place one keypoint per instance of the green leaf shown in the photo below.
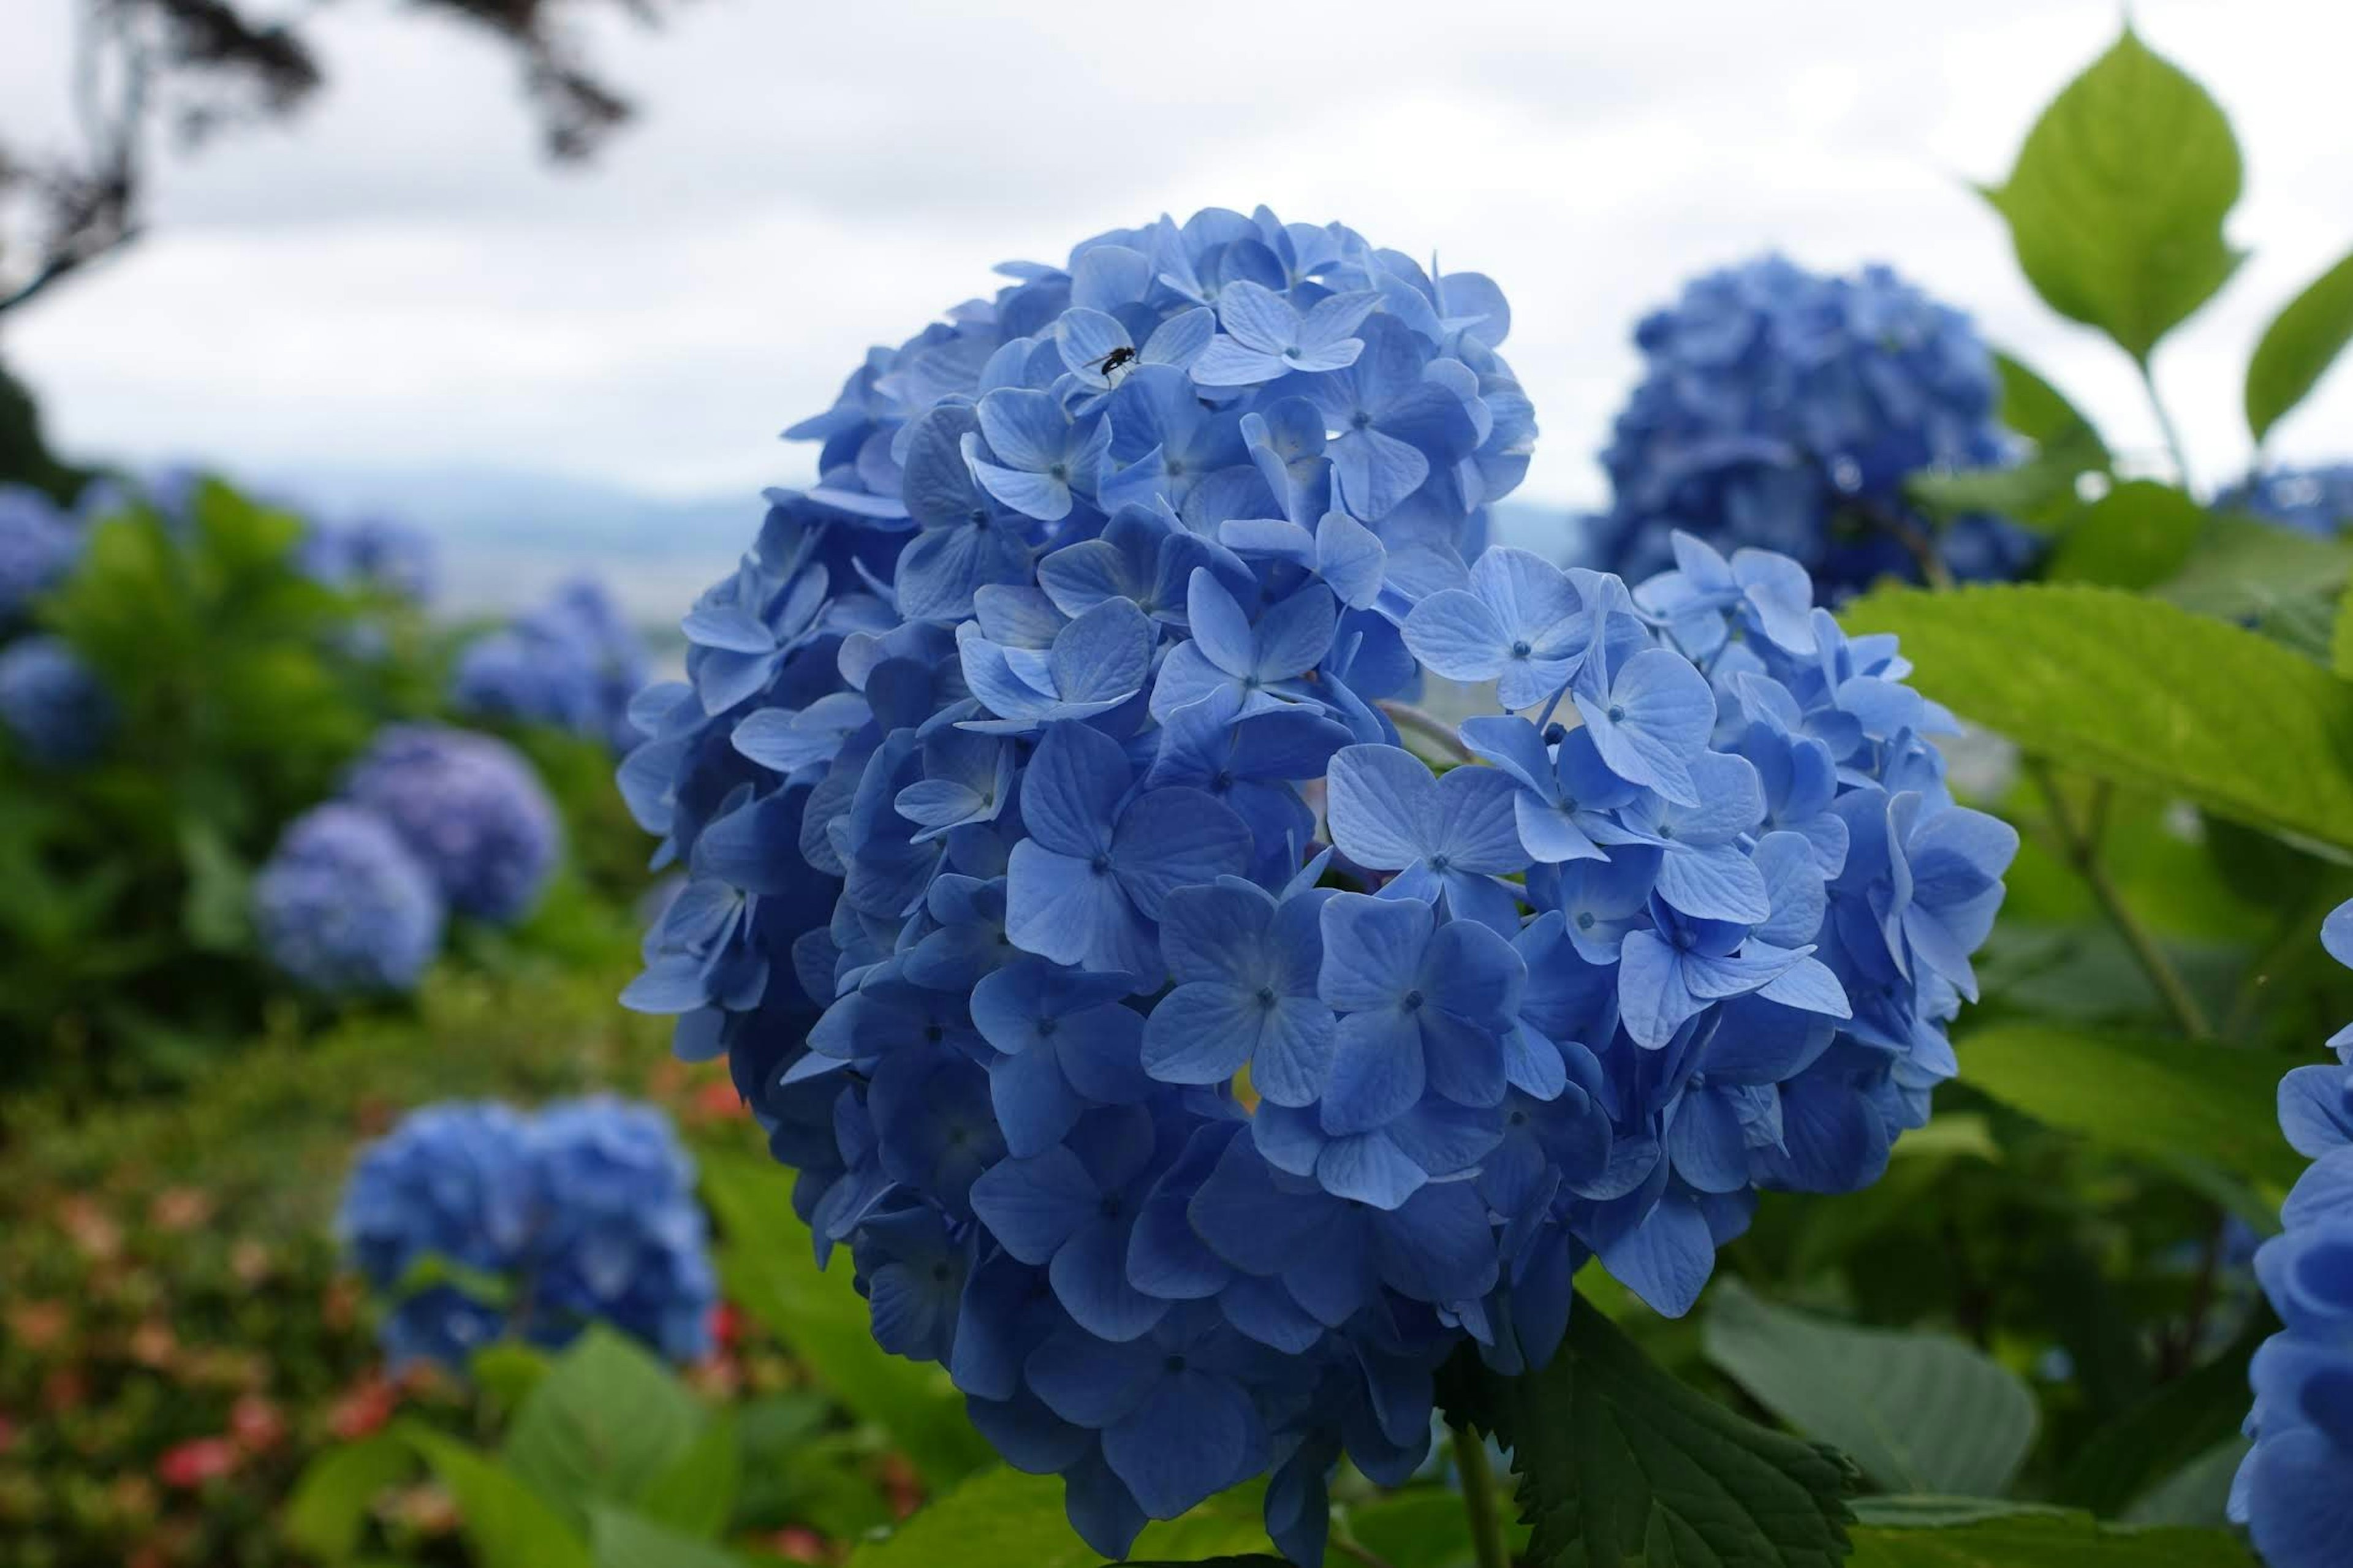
(1622, 1465)
(2298, 347)
(601, 1427)
(998, 1519)
(2116, 202)
(2046, 1541)
(2246, 567)
(2138, 535)
(2198, 1494)
(329, 1510)
(2340, 639)
(1424, 1528)
(768, 1263)
(2169, 1101)
(508, 1372)
(2138, 692)
(2033, 408)
(506, 1523)
(2165, 1432)
(1919, 1412)
(696, 1494)
(624, 1539)
(213, 909)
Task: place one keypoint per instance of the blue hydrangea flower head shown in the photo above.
(1190, 1127)
(38, 545)
(573, 663)
(1784, 410)
(342, 907)
(2316, 501)
(584, 1213)
(469, 808)
(53, 708)
(375, 553)
(2295, 1489)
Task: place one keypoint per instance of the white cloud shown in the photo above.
(395, 279)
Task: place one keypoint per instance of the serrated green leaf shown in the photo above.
(768, 1265)
(2116, 202)
(696, 1493)
(2169, 1101)
(1919, 1412)
(620, 1539)
(329, 1510)
(1622, 1466)
(2141, 532)
(606, 1421)
(2138, 692)
(2298, 347)
(2046, 1541)
(506, 1523)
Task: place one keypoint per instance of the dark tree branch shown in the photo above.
(199, 67)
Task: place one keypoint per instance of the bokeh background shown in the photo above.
(390, 300)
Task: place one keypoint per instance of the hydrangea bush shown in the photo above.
(469, 808)
(53, 707)
(573, 663)
(483, 1221)
(376, 554)
(2295, 1489)
(1191, 1126)
(1785, 409)
(342, 907)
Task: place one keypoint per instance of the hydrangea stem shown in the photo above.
(2079, 843)
(2173, 446)
(1479, 1501)
(1428, 725)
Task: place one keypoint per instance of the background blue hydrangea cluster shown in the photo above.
(342, 907)
(1191, 1126)
(1785, 409)
(38, 545)
(584, 1213)
(573, 663)
(372, 555)
(2317, 500)
(2295, 1490)
(431, 821)
(53, 709)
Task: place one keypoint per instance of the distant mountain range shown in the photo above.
(507, 538)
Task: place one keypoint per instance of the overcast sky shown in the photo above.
(395, 280)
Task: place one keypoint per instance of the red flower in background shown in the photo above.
(197, 1461)
(366, 1406)
(256, 1423)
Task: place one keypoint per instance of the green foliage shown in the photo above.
(1621, 1464)
(2138, 692)
(2116, 202)
(2201, 1108)
(1918, 1412)
(605, 1425)
(2298, 347)
(2138, 535)
(2039, 1540)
